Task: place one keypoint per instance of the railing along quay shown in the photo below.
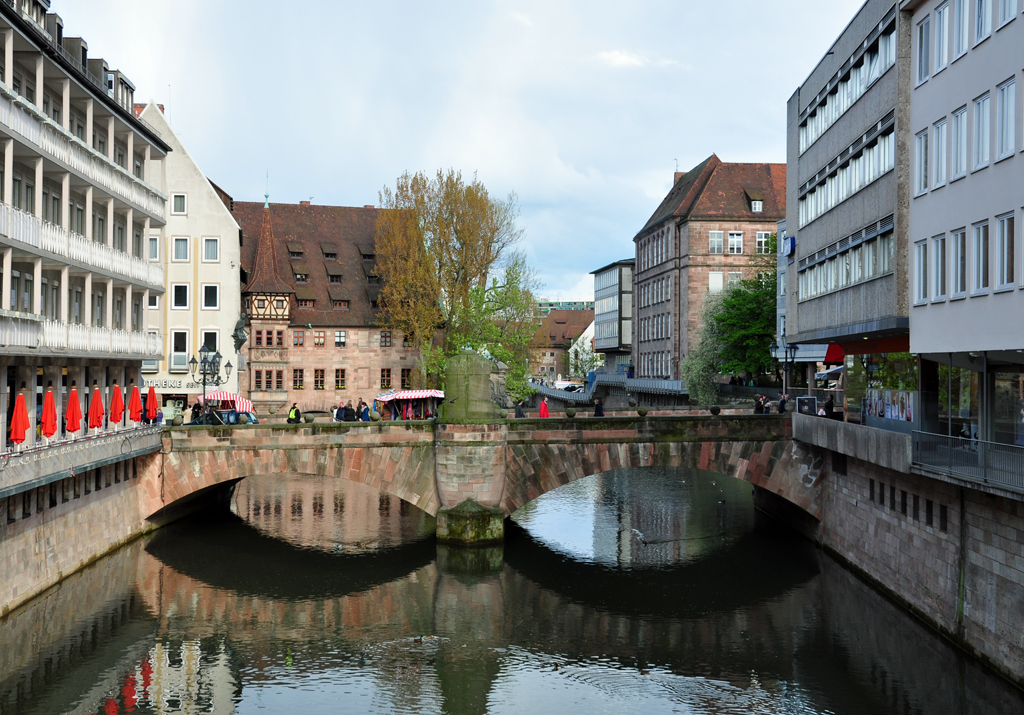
(971, 459)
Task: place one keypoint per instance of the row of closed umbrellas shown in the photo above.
(20, 424)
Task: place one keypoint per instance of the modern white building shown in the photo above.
(967, 312)
(199, 251)
(80, 189)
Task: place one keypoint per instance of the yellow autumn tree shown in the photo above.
(438, 242)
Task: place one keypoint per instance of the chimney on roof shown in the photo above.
(678, 174)
(303, 203)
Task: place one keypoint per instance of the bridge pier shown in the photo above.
(470, 523)
(469, 468)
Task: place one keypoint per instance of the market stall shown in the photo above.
(408, 404)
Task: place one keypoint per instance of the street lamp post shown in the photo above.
(788, 359)
(209, 370)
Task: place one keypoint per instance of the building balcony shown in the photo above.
(42, 235)
(43, 464)
(32, 332)
(24, 118)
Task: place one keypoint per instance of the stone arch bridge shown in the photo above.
(498, 465)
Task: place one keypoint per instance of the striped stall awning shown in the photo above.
(241, 404)
(409, 395)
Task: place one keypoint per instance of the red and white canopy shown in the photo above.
(409, 395)
(241, 404)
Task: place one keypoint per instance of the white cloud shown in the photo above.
(618, 58)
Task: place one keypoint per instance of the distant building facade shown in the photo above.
(310, 299)
(546, 306)
(551, 343)
(199, 250)
(703, 236)
(613, 314)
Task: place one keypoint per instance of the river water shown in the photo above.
(640, 591)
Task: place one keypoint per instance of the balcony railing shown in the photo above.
(23, 117)
(74, 337)
(971, 459)
(26, 228)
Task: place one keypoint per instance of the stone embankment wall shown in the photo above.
(951, 553)
(52, 531)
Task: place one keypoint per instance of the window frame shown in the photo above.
(216, 241)
(981, 255)
(184, 201)
(202, 296)
(959, 157)
(921, 157)
(319, 378)
(924, 47)
(1006, 250)
(339, 378)
(341, 335)
(921, 287)
(721, 281)
(385, 378)
(712, 236)
(298, 378)
(188, 345)
(385, 339)
(154, 240)
(298, 338)
(939, 284)
(940, 173)
(1006, 118)
(941, 49)
(739, 236)
(154, 302)
(961, 28)
(982, 21)
(174, 249)
(982, 144)
(958, 264)
(756, 206)
(1007, 11)
(319, 338)
(188, 296)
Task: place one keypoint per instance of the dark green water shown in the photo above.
(646, 591)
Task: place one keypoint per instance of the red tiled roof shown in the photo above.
(561, 328)
(264, 277)
(316, 230)
(716, 190)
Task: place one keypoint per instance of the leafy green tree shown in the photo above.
(746, 320)
(702, 365)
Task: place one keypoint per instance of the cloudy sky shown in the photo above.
(581, 107)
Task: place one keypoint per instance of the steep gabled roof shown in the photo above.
(345, 276)
(561, 328)
(684, 193)
(717, 190)
(264, 277)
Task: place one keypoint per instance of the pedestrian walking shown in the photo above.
(544, 407)
(598, 408)
(348, 414)
(520, 415)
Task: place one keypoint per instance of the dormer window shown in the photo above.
(300, 277)
(330, 256)
(295, 254)
(757, 206)
(305, 303)
(335, 279)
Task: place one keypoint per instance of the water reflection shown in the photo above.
(219, 614)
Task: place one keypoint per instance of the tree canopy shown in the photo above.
(451, 274)
(738, 326)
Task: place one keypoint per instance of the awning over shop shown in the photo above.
(834, 354)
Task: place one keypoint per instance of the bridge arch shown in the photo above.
(505, 464)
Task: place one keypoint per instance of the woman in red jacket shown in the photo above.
(544, 407)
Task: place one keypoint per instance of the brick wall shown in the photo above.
(918, 560)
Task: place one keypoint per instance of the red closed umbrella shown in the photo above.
(49, 415)
(116, 406)
(74, 414)
(96, 409)
(135, 405)
(151, 404)
(19, 420)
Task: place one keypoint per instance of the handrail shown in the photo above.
(971, 459)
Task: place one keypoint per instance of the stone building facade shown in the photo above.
(551, 343)
(310, 300)
(705, 234)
